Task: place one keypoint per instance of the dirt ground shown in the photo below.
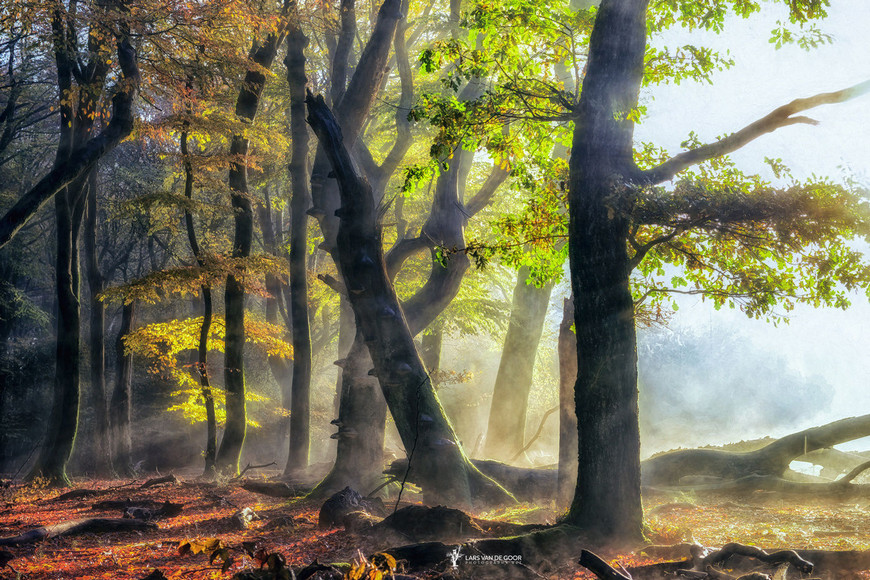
(289, 527)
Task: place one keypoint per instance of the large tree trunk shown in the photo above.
(120, 409)
(607, 497)
(77, 119)
(567, 415)
(230, 450)
(102, 445)
(506, 431)
(300, 200)
(433, 448)
(351, 111)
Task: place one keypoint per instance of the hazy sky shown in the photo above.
(827, 342)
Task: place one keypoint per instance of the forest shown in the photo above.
(363, 289)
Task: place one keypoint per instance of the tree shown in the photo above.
(76, 155)
(505, 434)
(261, 56)
(447, 472)
(605, 198)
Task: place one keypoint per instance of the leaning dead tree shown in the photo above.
(763, 468)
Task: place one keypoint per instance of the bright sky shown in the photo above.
(827, 342)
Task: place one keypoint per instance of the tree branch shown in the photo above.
(781, 117)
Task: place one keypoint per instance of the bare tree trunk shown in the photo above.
(102, 445)
(230, 450)
(120, 408)
(506, 432)
(300, 201)
(607, 497)
(207, 313)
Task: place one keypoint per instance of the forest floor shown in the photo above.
(290, 528)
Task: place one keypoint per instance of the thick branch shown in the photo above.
(83, 159)
(781, 117)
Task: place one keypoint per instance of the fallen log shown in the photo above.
(160, 481)
(709, 469)
(772, 460)
(76, 527)
(272, 489)
(841, 489)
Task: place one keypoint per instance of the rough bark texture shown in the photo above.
(300, 200)
(607, 497)
(506, 431)
(230, 450)
(419, 417)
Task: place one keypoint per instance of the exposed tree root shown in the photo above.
(75, 527)
(703, 563)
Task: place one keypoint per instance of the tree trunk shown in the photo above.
(433, 448)
(361, 417)
(120, 409)
(230, 450)
(431, 347)
(97, 334)
(205, 327)
(281, 368)
(506, 432)
(300, 201)
(567, 415)
(607, 497)
(63, 421)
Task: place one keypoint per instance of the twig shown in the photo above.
(537, 433)
(249, 466)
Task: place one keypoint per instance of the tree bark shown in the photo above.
(230, 450)
(120, 408)
(423, 426)
(207, 313)
(506, 432)
(102, 445)
(77, 120)
(607, 497)
(567, 347)
(300, 201)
